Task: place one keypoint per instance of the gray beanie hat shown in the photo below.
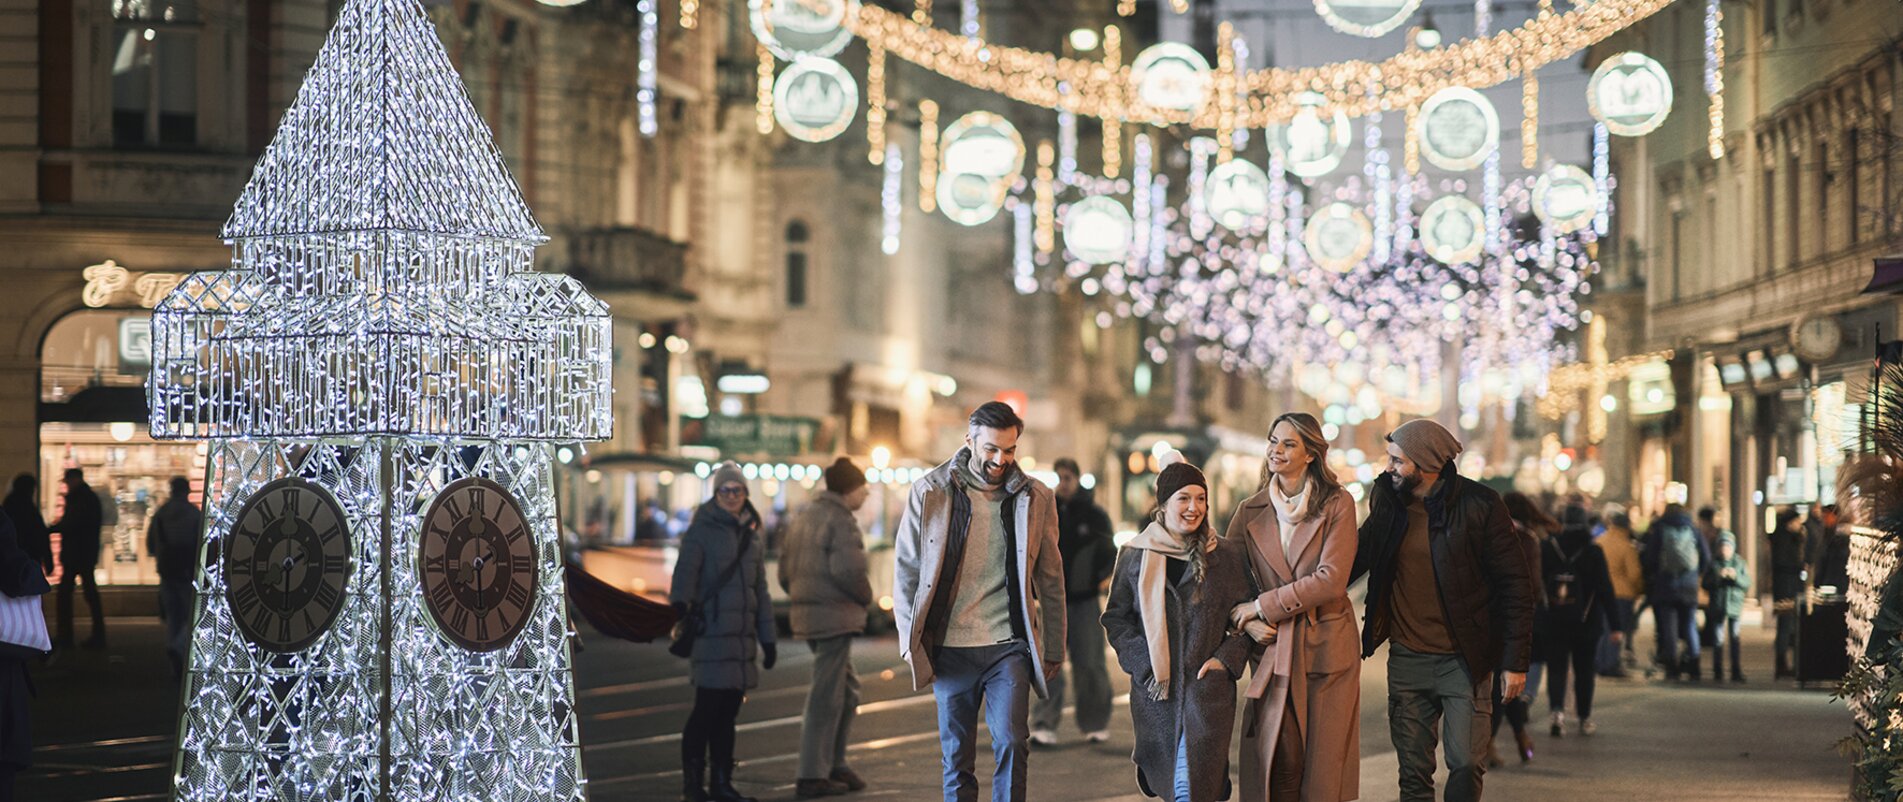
(728, 472)
(1427, 443)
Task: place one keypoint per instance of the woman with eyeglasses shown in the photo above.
(721, 570)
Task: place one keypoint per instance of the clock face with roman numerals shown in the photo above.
(287, 562)
(477, 563)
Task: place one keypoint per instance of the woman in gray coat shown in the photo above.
(722, 569)
(1168, 619)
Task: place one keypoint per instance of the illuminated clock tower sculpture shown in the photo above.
(380, 376)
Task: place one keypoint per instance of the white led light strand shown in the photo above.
(1715, 78)
(647, 66)
(1023, 268)
(1602, 177)
(891, 196)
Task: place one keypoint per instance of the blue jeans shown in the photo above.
(1181, 792)
(1675, 622)
(998, 677)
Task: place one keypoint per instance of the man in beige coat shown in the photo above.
(979, 600)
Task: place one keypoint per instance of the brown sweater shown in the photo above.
(1420, 623)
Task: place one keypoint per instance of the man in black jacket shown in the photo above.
(1084, 538)
(78, 527)
(1449, 586)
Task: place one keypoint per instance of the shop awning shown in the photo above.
(1886, 277)
(97, 404)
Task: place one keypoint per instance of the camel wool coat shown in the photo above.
(1315, 660)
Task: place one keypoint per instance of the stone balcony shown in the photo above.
(633, 269)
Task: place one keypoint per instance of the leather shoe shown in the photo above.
(850, 778)
(810, 788)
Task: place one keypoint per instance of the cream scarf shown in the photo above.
(1289, 510)
(1158, 545)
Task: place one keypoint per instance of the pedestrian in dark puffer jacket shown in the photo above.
(722, 568)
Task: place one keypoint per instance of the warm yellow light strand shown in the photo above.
(927, 155)
(763, 99)
(1357, 87)
(1126, 8)
(1530, 120)
(1179, 6)
(690, 14)
(1112, 130)
(922, 12)
(875, 103)
(1046, 198)
(1225, 92)
(1411, 143)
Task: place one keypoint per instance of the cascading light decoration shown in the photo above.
(763, 97)
(1530, 120)
(647, 83)
(891, 199)
(381, 333)
(1112, 131)
(1715, 79)
(927, 156)
(875, 104)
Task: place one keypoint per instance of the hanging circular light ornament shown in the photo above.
(814, 99)
(1458, 129)
(1453, 230)
(1097, 230)
(1565, 198)
(1370, 18)
(1311, 145)
(969, 199)
(1630, 93)
(982, 144)
(1171, 75)
(1237, 194)
(794, 28)
(1338, 237)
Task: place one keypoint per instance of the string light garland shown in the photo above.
(1179, 6)
(1066, 146)
(1715, 78)
(1411, 140)
(1225, 92)
(928, 156)
(1112, 130)
(763, 99)
(922, 12)
(1357, 87)
(875, 103)
(1126, 8)
(1023, 266)
(690, 14)
(1046, 198)
(1602, 177)
(1530, 120)
(1240, 139)
(968, 20)
(1483, 18)
(891, 198)
(646, 82)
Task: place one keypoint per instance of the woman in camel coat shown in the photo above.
(1301, 729)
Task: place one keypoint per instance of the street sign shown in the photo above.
(771, 435)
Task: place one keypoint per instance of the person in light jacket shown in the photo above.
(1168, 620)
(978, 598)
(1302, 730)
(722, 568)
(823, 571)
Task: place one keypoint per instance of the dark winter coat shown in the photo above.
(1486, 595)
(1572, 551)
(1084, 537)
(1665, 586)
(1204, 710)
(1828, 553)
(20, 576)
(24, 511)
(1787, 565)
(823, 570)
(738, 614)
(79, 527)
(172, 537)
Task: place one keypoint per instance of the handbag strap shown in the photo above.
(728, 572)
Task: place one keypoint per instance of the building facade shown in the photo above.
(1752, 265)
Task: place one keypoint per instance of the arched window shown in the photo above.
(796, 237)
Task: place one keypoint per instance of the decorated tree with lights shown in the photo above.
(379, 375)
